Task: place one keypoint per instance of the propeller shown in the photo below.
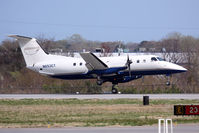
(128, 63)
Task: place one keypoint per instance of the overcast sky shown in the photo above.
(102, 20)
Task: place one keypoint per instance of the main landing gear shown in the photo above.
(114, 86)
(99, 81)
(114, 89)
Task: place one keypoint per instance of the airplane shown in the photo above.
(118, 69)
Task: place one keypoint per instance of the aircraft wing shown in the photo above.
(93, 62)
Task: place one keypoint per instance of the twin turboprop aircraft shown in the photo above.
(116, 70)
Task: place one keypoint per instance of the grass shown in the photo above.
(90, 112)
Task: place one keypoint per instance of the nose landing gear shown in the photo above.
(168, 83)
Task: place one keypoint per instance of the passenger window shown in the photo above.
(144, 60)
(74, 64)
(138, 61)
(153, 59)
(80, 63)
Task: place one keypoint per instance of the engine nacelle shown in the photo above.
(126, 79)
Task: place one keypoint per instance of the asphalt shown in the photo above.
(98, 96)
(142, 129)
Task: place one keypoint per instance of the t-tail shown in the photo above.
(31, 50)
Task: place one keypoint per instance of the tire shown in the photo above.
(99, 82)
(168, 83)
(114, 91)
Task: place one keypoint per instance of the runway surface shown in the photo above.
(141, 129)
(98, 96)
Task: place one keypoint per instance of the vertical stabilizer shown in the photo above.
(31, 50)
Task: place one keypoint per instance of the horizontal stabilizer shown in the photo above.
(18, 37)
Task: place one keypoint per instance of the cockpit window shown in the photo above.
(160, 59)
(153, 59)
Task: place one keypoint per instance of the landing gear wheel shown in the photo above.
(99, 82)
(114, 90)
(168, 83)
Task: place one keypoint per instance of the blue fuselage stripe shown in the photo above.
(89, 76)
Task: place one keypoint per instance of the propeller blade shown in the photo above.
(129, 70)
(128, 63)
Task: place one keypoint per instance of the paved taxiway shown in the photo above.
(98, 96)
(142, 129)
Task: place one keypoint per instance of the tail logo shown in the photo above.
(31, 50)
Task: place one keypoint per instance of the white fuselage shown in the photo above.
(61, 65)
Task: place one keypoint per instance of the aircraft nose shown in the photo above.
(181, 69)
(174, 68)
(178, 68)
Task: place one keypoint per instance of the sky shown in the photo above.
(99, 20)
